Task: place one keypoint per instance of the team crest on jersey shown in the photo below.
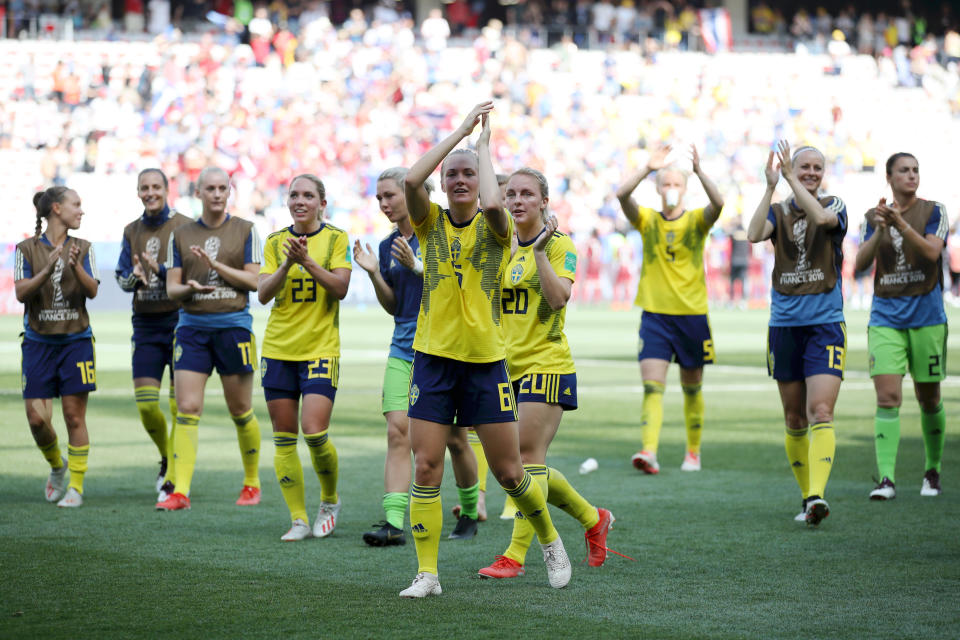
(414, 394)
(455, 249)
(516, 274)
(671, 236)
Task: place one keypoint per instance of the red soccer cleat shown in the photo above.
(502, 567)
(249, 496)
(175, 502)
(596, 538)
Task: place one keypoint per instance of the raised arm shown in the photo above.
(867, 252)
(88, 283)
(929, 245)
(712, 211)
(657, 160)
(418, 202)
(490, 200)
(760, 228)
(24, 288)
(367, 259)
(556, 290)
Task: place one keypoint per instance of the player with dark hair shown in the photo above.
(673, 294)
(141, 271)
(306, 272)
(459, 369)
(54, 274)
(212, 265)
(807, 338)
(908, 326)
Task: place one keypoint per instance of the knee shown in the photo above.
(428, 470)
(889, 399)
(821, 412)
(795, 421)
(74, 419)
(930, 405)
(37, 424)
(397, 437)
(508, 475)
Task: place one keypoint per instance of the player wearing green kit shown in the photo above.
(908, 327)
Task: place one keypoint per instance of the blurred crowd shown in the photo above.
(345, 100)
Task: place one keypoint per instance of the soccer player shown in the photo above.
(306, 272)
(140, 270)
(908, 325)
(212, 265)
(807, 338)
(54, 274)
(397, 277)
(536, 288)
(459, 368)
(673, 294)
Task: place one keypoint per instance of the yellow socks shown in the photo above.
(693, 415)
(652, 415)
(77, 463)
(562, 494)
(823, 448)
(531, 503)
(426, 518)
(51, 453)
(185, 450)
(326, 464)
(248, 437)
(482, 465)
(148, 404)
(797, 444)
(286, 463)
(522, 530)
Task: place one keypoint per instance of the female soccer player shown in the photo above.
(673, 293)
(536, 288)
(212, 265)
(140, 271)
(397, 277)
(459, 368)
(908, 325)
(54, 274)
(306, 272)
(807, 339)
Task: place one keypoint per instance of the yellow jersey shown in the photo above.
(304, 322)
(535, 339)
(462, 269)
(672, 280)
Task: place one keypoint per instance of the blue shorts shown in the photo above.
(464, 393)
(548, 388)
(55, 370)
(152, 356)
(682, 339)
(796, 353)
(292, 378)
(230, 350)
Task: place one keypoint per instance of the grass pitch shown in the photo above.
(717, 552)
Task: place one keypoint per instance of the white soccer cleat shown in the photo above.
(425, 584)
(299, 531)
(691, 462)
(326, 519)
(646, 461)
(817, 510)
(72, 499)
(558, 564)
(931, 484)
(885, 490)
(802, 516)
(56, 483)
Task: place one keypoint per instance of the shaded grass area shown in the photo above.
(717, 553)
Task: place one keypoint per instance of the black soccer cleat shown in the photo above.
(386, 535)
(466, 529)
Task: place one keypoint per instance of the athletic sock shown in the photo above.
(77, 463)
(797, 443)
(823, 449)
(326, 464)
(185, 451)
(886, 427)
(286, 463)
(933, 426)
(51, 453)
(474, 440)
(426, 518)
(652, 415)
(173, 426)
(523, 532)
(154, 422)
(248, 437)
(693, 415)
(531, 503)
(468, 500)
(562, 494)
(395, 508)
